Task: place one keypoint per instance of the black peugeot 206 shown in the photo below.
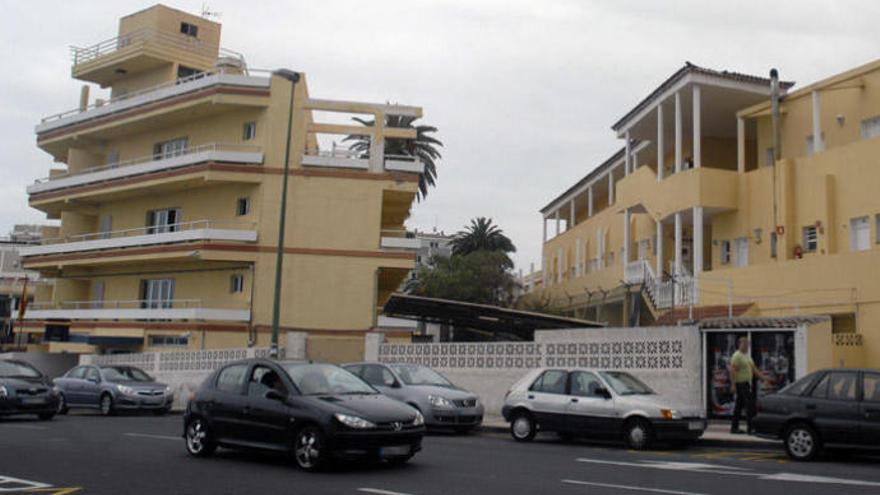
(316, 412)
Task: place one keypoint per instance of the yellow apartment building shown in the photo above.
(169, 197)
(702, 214)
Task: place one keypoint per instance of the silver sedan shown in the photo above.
(112, 388)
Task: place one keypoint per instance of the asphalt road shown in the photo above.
(132, 455)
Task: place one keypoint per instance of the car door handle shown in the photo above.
(531, 396)
(574, 399)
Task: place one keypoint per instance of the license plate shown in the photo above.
(695, 425)
(394, 451)
(33, 400)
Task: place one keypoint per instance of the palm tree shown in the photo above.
(482, 235)
(422, 147)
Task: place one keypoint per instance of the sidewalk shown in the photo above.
(716, 435)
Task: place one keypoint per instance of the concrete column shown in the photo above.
(740, 145)
(590, 201)
(570, 216)
(818, 145)
(544, 267)
(659, 248)
(676, 269)
(559, 266)
(610, 187)
(698, 240)
(626, 235)
(557, 222)
(545, 229)
(372, 341)
(627, 155)
(577, 257)
(660, 150)
(678, 147)
(698, 131)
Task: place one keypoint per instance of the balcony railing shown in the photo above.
(404, 163)
(144, 236)
(81, 55)
(137, 309)
(338, 157)
(399, 239)
(251, 78)
(232, 153)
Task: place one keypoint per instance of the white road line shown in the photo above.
(806, 478)
(158, 437)
(25, 427)
(627, 487)
(377, 491)
(9, 484)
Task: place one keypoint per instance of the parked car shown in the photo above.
(317, 412)
(596, 403)
(828, 408)
(25, 390)
(441, 402)
(112, 388)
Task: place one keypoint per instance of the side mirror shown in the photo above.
(273, 394)
(395, 384)
(603, 392)
(94, 380)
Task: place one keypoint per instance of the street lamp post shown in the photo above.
(293, 77)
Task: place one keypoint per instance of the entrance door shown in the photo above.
(773, 353)
(720, 346)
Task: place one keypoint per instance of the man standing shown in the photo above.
(742, 371)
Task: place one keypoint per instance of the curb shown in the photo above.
(751, 444)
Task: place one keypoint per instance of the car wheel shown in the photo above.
(637, 434)
(198, 439)
(523, 427)
(62, 404)
(309, 449)
(46, 416)
(107, 408)
(802, 442)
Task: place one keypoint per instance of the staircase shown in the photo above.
(663, 294)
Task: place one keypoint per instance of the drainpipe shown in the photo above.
(777, 152)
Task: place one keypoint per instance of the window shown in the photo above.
(112, 157)
(249, 132)
(168, 340)
(263, 379)
(105, 225)
(164, 220)
(92, 374)
(550, 382)
(741, 251)
(97, 294)
(171, 148)
(236, 283)
(644, 247)
(859, 234)
(378, 376)
(811, 240)
(189, 29)
(871, 128)
(774, 245)
(243, 206)
(585, 384)
(231, 379)
(842, 386)
(871, 387)
(821, 389)
(184, 72)
(78, 373)
(799, 387)
(725, 252)
(157, 293)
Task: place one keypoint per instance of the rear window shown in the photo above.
(550, 382)
(799, 387)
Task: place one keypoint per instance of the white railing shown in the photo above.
(634, 271)
(680, 290)
(120, 304)
(205, 148)
(399, 239)
(138, 309)
(154, 230)
(81, 55)
(336, 157)
(404, 163)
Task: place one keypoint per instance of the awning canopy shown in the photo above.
(493, 319)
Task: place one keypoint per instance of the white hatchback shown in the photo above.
(596, 403)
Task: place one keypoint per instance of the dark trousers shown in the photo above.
(745, 397)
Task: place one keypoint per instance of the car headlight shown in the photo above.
(3, 391)
(125, 389)
(56, 390)
(419, 420)
(438, 401)
(670, 414)
(354, 421)
(168, 390)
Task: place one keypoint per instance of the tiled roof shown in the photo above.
(763, 321)
(690, 68)
(700, 313)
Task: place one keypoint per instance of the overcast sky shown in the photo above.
(523, 92)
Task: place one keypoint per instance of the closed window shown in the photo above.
(189, 29)
(871, 387)
(168, 340)
(550, 382)
(249, 131)
(236, 283)
(741, 251)
(810, 240)
(92, 374)
(112, 157)
(79, 373)
(842, 386)
(157, 293)
(184, 72)
(859, 234)
(378, 376)
(263, 379)
(171, 148)
(243, 206)
(821, 389)
(774, 245)
(164, 220)
(725, 252)
(585, 384)
(871, 128)
(231, 379)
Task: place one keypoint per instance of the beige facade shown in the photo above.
(169, 198)
(718, 224)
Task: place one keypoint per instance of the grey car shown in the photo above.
(596, 403)
(441, 402)
(112, 388)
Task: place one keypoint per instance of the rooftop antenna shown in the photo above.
(208, 14)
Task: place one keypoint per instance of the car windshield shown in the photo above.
(125, 374)
(326, 379)
(625, 384)
(15, 369)
(419, 375)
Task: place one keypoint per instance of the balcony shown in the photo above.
(398, 239)
(216, 152)
(178, 309)
(349, 159)
(200, 230)
(137, 51)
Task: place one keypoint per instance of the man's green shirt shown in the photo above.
(743, 364)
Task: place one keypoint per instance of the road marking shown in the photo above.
(696, 467)
(25, 427)
(378, 491)
(627, 487)
(10, 484)
(147, 435)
